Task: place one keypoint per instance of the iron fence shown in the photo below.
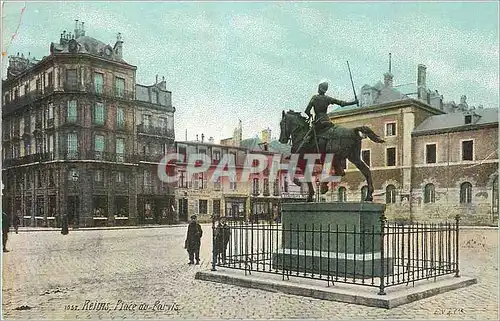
(383, 255)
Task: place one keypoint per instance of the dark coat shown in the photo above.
(223, 233)
(5, 223)
(193, 237)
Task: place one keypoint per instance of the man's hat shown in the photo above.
(193, 217)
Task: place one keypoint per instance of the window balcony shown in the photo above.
(22, 101)
(155, 131)
(110, 92)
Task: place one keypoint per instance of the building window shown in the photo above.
(73, 174)
(468, 119)
(99, 113)
(342, 194)
(429, 193)
(71, 114)
(430, 153)
(98, 82)
(37, 85)
(154, 97)
(120, 177)
(120, 117)
(162, 123)
(203, 206)
(119, 87)
(364, 192)
(146, 120)
(50, 111)
(99, 143)
(98, 176)
(266, 187)
(217, 184)
(201, 181)
(391, 156)
(71, 79)
(232, 183)
(182, 179)
(255, 186)
(390, 129)
(466, 193)
(390, 194)
(216, 155)
(6, 99)
(50, 79)
(365, 156)
(276, 187)
(26, 89)
(285, 185)
(72, 145)
(120, 149)
(216, 207)
(147, 178)
(467, 150)
(16, 93)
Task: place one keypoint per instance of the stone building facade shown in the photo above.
(73, 136)
(259, 197)
(439, 159)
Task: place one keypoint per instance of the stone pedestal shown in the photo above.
(333, 238)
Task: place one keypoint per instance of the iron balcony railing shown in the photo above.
(110, 92)
(156, 131)
(381, 256)
(21, 101)
(98, 156)
(28, 159)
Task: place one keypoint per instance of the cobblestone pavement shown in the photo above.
(114, 269)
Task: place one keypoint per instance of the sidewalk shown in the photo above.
(42, 229)
(52, 229)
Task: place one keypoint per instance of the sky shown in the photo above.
(225, 61)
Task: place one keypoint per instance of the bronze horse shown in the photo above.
(344, 143)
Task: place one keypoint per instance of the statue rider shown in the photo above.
(321, 123)
(320, 103)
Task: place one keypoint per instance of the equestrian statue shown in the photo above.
(324, 137)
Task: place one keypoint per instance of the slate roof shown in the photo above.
(274, 145)
(452, 121)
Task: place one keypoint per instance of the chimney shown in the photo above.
(118, 48)
(196, 137)
(211, 140)
(421, 86)
(388, 79)
(202, 137)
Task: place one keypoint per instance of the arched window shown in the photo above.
(342, 194)
(364, 192)
(390, 194)
(429, 193)
(494, 198)
(466, 193)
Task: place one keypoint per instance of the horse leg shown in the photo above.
(365, 170)
(337, 166)
(310, 197)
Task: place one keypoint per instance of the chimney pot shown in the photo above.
(202, 137)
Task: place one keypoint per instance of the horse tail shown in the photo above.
(369, 133)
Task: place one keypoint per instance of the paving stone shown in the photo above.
(48, 271)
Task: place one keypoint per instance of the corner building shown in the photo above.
(81, 138)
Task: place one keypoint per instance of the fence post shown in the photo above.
(457, 219)
(382, 250)
(214, 246)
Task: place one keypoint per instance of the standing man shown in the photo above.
(193, 240)
(5, 230)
